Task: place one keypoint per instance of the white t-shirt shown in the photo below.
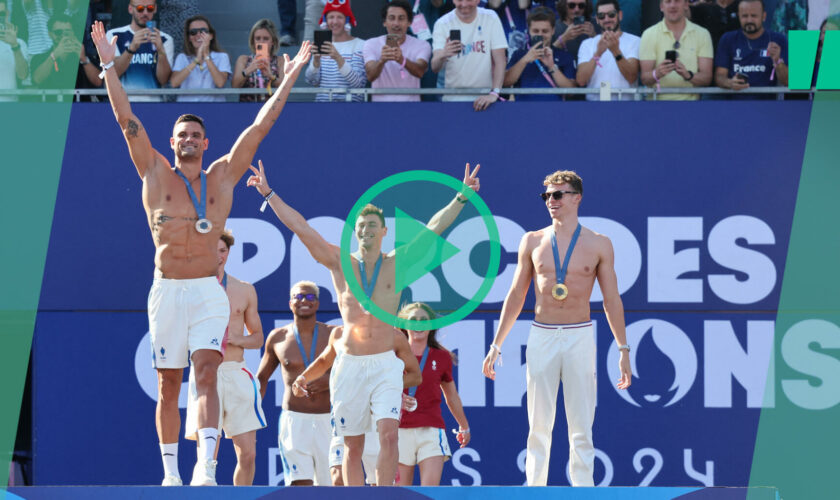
(608, 71)
(8, 78)
(473, 67)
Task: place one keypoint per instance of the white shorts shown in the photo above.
(240, 405)
(369, 455)
(185, 316)
(304, 440)
(364, 390)
(419, 443)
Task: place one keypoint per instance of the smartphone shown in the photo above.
(262, 50)
(392, 40)
(151, 25)
(322, 36)
(536, 39)
(455, 35)
(579, 20)
(671, 55)
(744, 78)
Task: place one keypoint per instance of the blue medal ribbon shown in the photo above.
(558, 269)
(413, 390)
(313, 347)
(369, 286)
(224, 281)
(200, 206)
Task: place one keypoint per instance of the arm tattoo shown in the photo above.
(131, 129)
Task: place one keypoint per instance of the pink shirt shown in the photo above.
(393, 75)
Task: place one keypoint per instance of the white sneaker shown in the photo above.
(204, 473)
(172, 480)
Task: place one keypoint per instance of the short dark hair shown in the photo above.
(563, 9)
(763, 7)
(608, 2)
(191, 118)
(541, 14)
(402, 4)
(227, 237)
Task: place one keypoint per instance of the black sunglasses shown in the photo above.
(556, 194)
(604, 15)
(573, 5)
(677, 44)
(196, 31)
(311, 297)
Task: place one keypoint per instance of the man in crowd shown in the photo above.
(676, 53)
(469, 43)
(717, 16)
(240, 401)
(14, 59)
(144, 53)
(67, 64)
(751, 56)
(612, 56)
(304, 429)
(396, 60)
(539, 64)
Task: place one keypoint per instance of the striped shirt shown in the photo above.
(39, 37)
(351, 75)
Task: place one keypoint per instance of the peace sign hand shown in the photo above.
(258, 180)
(471, 179)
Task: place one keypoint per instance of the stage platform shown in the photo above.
(368, 493)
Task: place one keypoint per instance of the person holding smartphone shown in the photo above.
(66, 65)
(262, 68)
(574, 25)
(143, 51)
(396, 60)
(14, 57)
(337, 62)
(203, 64)
(469, 43)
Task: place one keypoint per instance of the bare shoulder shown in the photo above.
(531, 239)
(336, 333)
(278, 335)
(600, 241)
(219, 166)
(327, 327)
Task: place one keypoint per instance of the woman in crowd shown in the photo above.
(422, 438)
(203, 64)
(259, 70)
(574, 25)
(338, 63)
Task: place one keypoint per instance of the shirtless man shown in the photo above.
(367, 379)
(240, 403)
(561, 343)
(304, 428)
(187, 208)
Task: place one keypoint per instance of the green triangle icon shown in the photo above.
(418, 250)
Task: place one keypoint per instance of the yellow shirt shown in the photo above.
(695, 42)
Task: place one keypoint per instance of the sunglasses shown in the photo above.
(604, 15)
(311, 297)
(556, 194)
(144, 8)
(677, 44)
(196, 31)
(573, 5)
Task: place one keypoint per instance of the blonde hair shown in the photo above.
(306, 284)
(568, 176)
(264, 24)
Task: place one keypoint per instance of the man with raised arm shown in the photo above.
(367, 382)
(304, 429)
(187, 208)
(563, 260)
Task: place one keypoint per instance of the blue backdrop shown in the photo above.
(697, 197)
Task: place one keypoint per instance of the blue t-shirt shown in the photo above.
(141, 73)
(516, 26)
(739, 54)
(532, 77)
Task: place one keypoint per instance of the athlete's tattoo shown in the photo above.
(132, 128)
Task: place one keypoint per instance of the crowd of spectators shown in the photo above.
(453, 44)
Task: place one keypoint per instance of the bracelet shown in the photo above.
(625, 347)
(690, 76)
(132, 52)
(196, 61)
(265, 200)
(244, 74)
(459, 200)
(105, 67)
(655, 78)
(464, 431)
(493, 92)
(497, 348)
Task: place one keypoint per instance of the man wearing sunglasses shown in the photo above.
(144, 53)
(676, 53)
(563, 260)
(240, 399)
(612, 56)
(304, 430)
(59, 68)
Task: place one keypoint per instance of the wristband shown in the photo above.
(459, 200)
(655, 78)
(497, 348)
(244, 74)
(265, 202)
(132, 52)
(495, 92)
(461, 431)
(625, 347)
(105, 67)
(597, 60)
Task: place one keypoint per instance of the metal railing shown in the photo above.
(637, 93)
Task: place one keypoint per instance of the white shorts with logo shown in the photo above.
(304, 440)
(369, 455)
(364, 390)
(419, 443)
(240, 404)
(185, 316)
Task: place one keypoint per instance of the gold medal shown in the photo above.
(559, 291)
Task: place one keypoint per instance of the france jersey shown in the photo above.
(739, 54)
(141, 72)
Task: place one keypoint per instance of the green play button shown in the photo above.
(418, 250)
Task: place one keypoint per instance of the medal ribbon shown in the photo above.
(223, 281)
(200, 207)
(413, 390)
(561, 271)
(369, 286)
(311, 358)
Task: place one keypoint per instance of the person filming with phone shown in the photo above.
(676, 53)
(574, 25)
(14, 58)
(143, 51)
(337, 60)
(67, 63)
(539, 64)
(396, 60)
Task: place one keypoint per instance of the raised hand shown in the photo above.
(471, 179)
(258, 180)
(293, 67)
(105, 48)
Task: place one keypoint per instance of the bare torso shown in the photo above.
(181, 252)
(291, 365)
(237, 293)
(580, 277)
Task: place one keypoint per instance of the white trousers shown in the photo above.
(558, 353)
